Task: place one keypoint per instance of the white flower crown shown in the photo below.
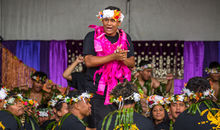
(115, 14)
(197, 96)
(3, 93)
(155, 100)
(11, 100)
(81, 97)
(212, 71)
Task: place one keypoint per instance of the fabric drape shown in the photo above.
(193, 63)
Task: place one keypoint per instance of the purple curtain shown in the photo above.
(211, 49)
(58, 62)
(29, 53)
(193, 63)
(44, 56)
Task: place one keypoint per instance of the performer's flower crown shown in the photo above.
(26, 102)
(198, 95)
(11, 100)
(3, 93)
(81, 97)
(147, 66)
(177, 97)
(135, 97)
(107, 13)
(212, 70)
(155, 100)
(55, 99)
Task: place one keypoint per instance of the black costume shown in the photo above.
(99, 110)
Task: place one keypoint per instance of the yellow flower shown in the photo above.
(31, 102)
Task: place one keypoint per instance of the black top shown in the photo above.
(71, 123)
(141, 122)
(186, 121)
(78, 81)
(88, 49)
(162, 126)
(29, 121)
(8, 121)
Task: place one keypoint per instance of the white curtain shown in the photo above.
(150, 19)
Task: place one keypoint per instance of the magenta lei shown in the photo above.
(113, 71)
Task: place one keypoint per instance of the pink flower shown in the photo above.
(25, 103)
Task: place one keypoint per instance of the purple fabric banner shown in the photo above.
(58, 62)
(44, 57)
(210, 54)
(28, 52)
(193, 63)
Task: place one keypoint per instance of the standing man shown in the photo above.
(109, 54)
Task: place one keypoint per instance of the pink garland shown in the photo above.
(113, 71)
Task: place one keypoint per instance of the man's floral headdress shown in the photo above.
(147, 66)
(177, 97)
(212, 70)
(3, 93)
(39, 77)
(11, 100)
(197, 96)
(55, 100)
(115, 14)
(81, 97)
(155, 100)
(120, 100)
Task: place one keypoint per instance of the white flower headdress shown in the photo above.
(81, 97)
(197, 96)
(3, 93)
(11, 100)
(120, 100)
(115, 14)
(155, 100)
(55, 100)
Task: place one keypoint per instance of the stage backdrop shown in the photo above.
(185, 59)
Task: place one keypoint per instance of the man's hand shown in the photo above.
(170, 76)
(79, 59)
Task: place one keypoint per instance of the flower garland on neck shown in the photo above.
(115, 14)
(200, 97)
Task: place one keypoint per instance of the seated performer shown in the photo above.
(36, 92)
(177, 104)
(148, 85)
(203, 113)
(158, 113)
(60, 108)
(214, 78)
(125, 95)
(79, 108)
(14, 108)
(76, 79)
